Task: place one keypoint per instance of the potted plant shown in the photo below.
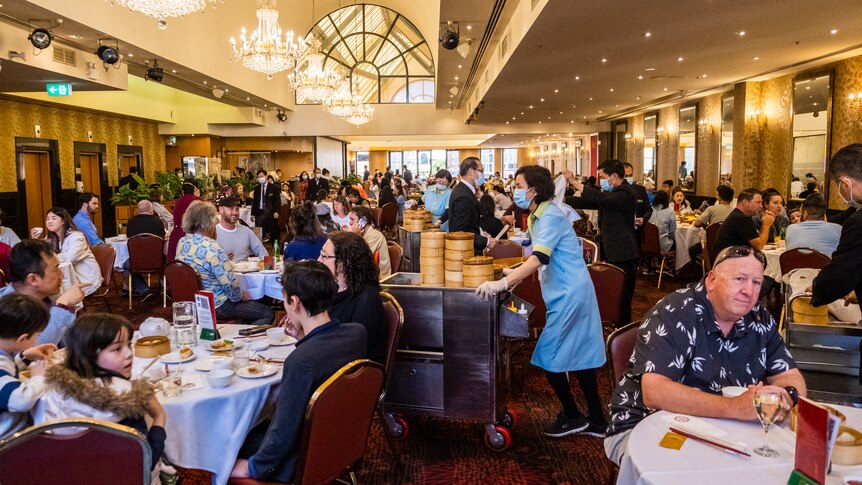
(125, 200)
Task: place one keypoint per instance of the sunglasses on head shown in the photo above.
(734, 252)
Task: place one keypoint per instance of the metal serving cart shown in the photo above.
(409, 242)
(453, 357)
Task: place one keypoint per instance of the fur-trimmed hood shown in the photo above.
(119, 397)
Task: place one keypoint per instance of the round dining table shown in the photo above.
(773, 260)
(648, 463)
(686, 237)
(121, 248)
(206, 426)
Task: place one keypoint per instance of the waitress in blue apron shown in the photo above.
(436, 197)
(572, 339)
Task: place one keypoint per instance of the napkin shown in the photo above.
(697, 425)
(192, 382)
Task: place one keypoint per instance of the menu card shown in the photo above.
(816, 432)
(205, 303)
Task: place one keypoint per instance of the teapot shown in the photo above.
(154, 326)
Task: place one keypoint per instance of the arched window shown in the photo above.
(383, 53)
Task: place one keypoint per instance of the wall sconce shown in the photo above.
(854, 108)
(661, 135)
(758, 122)
(705, 127)
(630, 140)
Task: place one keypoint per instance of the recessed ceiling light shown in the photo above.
(640, 77)
(266, 106)
(561, 112)
(460, 66)
(456, 78)
(833, 31)
(540, 122)
(450, 102)
(174, 71)
(451, 95)
(647, 34)
(600, 111)
(679, 59)
(638, 97)
(807, 87)
(130, 54)
(612, 89)
(591, 99)
(205, 82)
(649, 69)
(604, 59)
(513, 117)
(571, 121)
(542, 100)
(617, 106)
(531, 106)
(74, 36)
(469, 27)
(577, 78)
(522, 112)
(756, 58)
(248, 99)
(703, 75)
(556, 90)
(741, 33)
(507, 122)
(550, 117)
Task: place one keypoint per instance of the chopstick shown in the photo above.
(505, 229)
(151, 364)
(714, 442)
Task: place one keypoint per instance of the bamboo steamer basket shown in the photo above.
(794, 416)
(431, 252)
(432, 279)
(149, 347)
(470, 282)
(454, 279)
(848, 447)
(803, 312)
(432, 240)
(479, 266)
(459, 241)
(458, 255)
(498, 271)
(453, 265)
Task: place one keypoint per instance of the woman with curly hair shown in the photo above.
(349, 258)
(308, 236)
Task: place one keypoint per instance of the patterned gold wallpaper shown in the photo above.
(68, 126)
(848, 78)
(667, 144)
(635, 146)
(708, 141)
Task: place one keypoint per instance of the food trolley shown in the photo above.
(452, 359)
(409, 242)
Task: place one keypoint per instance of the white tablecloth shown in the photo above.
(206, 427)
(259, 285)
(646, 463)
(686, 236)
(773, 263)
(245, 215)
(121, 247)
(521, 239)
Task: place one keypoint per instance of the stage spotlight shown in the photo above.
(450, 38)
(155, 73)
(281, 116)
(108, 54)
(40, 38)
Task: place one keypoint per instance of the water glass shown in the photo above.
(767, 403)
(240, 358)
(184, 324)
(172, 385)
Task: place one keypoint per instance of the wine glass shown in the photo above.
(767, 403)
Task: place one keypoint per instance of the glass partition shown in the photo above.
(812, 110)
(650, 121)
(725, 155)
(687, 146)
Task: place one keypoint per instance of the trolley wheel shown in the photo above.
(509, 419)
(500, 441)
(400, 430)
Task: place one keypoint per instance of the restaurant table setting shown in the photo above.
(686, 237)
(213, 392)
(121, 248)
(773, 259)
(245, 216)
(259, 282)
(656, 458)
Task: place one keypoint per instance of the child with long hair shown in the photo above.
(95, 381)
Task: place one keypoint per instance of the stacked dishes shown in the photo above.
(459, 246)
(477, 270)
(431, 248)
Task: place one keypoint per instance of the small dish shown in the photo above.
(259, 344)
(287, 340)
(174, 358)
(222, 345)
(853, 480)
(732, 391)
(257, 371)
(269, 271)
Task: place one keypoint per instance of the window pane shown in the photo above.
(361, 162)
(394, 159)
(424, 161)
(510, 161)
(409, 160)
(438, 161)
(453, 162)
(487, 158)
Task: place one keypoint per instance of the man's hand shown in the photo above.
(851, 299)
(73, 296)
(491, 243)
(509, 219)
(240, 469)
(40, 352)
(768, 219)
(230, 255)
(639, 221)
(569, 176)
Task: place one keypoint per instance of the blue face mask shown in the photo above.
(481, 178)
(521, 198)
(442, 186)
(606, 185)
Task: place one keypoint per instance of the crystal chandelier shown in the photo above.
(341, 102)
(162, 9)
(265, 51)
(360, 113)
(314, 83)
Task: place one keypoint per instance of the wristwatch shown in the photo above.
(794, 394)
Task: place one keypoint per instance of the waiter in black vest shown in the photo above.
(464, 205)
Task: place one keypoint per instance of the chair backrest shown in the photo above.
(105, 256)
(95, 453)
(182, 281)
(284, 214)
(711, 236)
(337, 422)
(608, 280)
(620, 345)
(650, 245)
(802, 258)
(591, 250)
(377, 215)
(395, 254)
(389, 214)
(506, 249)
(394, 321)
(146, 253)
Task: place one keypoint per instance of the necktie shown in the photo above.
(262, 194)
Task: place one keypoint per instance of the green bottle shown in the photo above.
(275, 252)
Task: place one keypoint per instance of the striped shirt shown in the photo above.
(16, 397)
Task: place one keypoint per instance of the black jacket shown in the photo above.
(366, 309)
(844, 273)
(616, 219)
(145, 223)
(271, 203)
(644, 209)
(314, 185)
(464, 215)
(128, 180)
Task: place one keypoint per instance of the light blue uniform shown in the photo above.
(436, 202)
(572, 339)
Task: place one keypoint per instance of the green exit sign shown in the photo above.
(59, 89)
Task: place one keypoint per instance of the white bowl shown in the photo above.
(260, 344)
(276, 335)
(219, 378)
(733, 391)
(222, 362)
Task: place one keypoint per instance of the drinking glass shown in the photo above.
(240, 357)
(184, 323)
(172, 384)
(767, 403)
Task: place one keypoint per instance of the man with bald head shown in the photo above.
(145, 222)
(697, 340)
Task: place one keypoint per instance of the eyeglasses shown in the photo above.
(734, 252)
(326, 256)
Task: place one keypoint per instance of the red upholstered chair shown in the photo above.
(802, 258)
(96, 453)
(394, 321)
(105, 256)
(620, 345)
(337, 423)
(395, 255)
(146, 257)
(591, 250)
(505, 249)
(388, 217)
(377, 215)
(608, 280)
(651, 247)
(711, 236)
(183, 283)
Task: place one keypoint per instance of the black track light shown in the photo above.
(40, 38)
(155, 73)
(108, 54)
(450, 38)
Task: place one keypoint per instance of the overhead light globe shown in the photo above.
(40, 38)
(108, 54)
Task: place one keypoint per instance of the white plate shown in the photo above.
(269, 271)
(234, 344)
(203, 365)
(287, 340)
(174, 358)
(244, 270)
(268, 370)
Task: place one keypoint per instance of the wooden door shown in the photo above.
(127, 161)
(37, 180)
(90, 178)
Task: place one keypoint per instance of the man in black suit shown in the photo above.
(617, 204)
(463, 214)
(842, 277)
(315, 184)
(129, 180)
(265, 205)
(643, 212)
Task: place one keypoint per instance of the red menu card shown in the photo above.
(812, 443)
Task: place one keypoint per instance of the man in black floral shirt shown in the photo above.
(697, 340)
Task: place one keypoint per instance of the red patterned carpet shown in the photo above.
(441, 451)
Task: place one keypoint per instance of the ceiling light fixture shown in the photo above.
(833, 31)
(218, 93)
(464, 48)
(741, 33)
(604, 59)
(155, 73)
(163, 9)
(679, 59)
(265, 50)
(647, 34)
(756, 58)
(281, 116)
(315, 82)
(577, 78)
(450, 38)
(108, 54)
(40, 38)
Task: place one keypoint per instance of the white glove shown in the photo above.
(507, 271)
(490, 288)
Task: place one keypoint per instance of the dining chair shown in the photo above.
(146, 257)
(376, 214)
(802, 258)
(608, 281)
(591, 250)
(619, 347)
(395, 255)
(388, 217)
(391, 423)
(651, 247)
(81, 451)
(184, 283)
(505, 249)
(711, 236)
(336, 425)
(105, 255)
